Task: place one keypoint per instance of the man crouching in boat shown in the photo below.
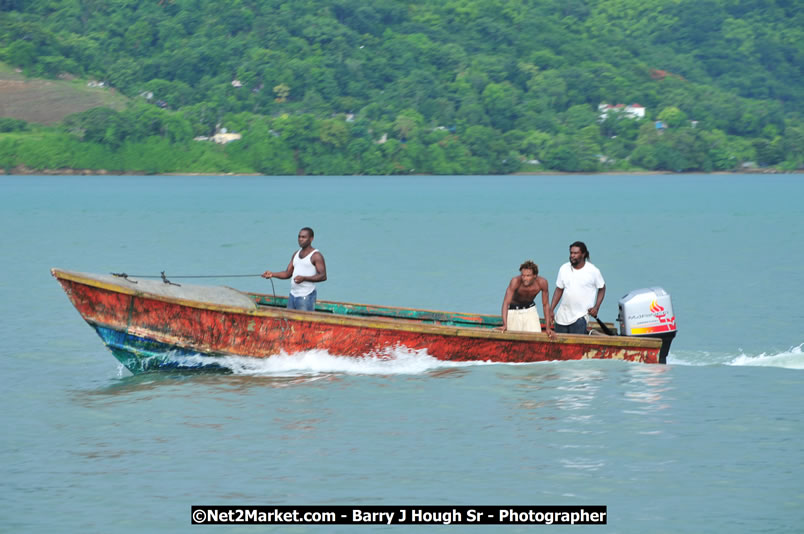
(306, 266)
(519, 313)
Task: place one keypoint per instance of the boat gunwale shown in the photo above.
(458, 315)
(399, 324)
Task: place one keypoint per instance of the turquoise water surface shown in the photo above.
(711, 442)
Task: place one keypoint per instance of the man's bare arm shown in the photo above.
(600, 294)
(556, 298)
(509, 296)
(282, 275)
(548, 314)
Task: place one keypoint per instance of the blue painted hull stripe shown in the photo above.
(140, 354)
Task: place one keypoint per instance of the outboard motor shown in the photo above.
(648, 313)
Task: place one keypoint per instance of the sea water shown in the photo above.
(711, 442)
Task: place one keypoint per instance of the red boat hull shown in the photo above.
(221, 329)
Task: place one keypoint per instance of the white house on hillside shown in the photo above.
(633, 111)
(221, 137)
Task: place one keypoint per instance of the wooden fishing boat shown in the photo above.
(152, 324)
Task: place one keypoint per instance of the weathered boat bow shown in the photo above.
(151, 324)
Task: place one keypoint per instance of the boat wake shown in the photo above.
(404, 361)
(792, 358)
(320, 362)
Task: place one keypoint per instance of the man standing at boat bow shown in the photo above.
(580, 288)
(306, 267)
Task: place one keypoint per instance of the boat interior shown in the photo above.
(389, 312)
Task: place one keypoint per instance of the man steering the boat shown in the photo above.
(519, 313)
(580, 288)
(306, 267)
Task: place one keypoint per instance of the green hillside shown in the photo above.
(397, 87)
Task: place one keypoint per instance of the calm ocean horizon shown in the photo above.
(710, 442)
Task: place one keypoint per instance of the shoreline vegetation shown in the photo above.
(478, 87)
(25, 171)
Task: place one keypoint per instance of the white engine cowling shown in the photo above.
(648, 312)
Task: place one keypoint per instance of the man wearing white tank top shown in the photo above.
(306, 267)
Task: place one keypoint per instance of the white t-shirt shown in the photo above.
(580, 291)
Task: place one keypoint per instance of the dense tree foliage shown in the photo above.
(407, 86)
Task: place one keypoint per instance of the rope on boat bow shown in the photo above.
(162, 276)
(165, 280)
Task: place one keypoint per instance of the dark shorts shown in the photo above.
(578, 327)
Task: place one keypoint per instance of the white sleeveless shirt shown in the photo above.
(302, 267)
